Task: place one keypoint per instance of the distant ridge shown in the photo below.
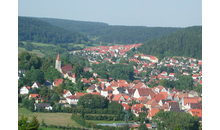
(102, 32)
(39, 31)
(185, 42)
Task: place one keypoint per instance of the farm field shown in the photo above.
(59, 119)
(37, 52)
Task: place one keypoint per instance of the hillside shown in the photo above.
(105, 33)
(185, 42)
(39, 31)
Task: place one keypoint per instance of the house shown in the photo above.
(136, 108)
(67, 93)
(193, 94)
(173, 106)
(57, 82)
(36, 85)
(185, 102)
(25, 89)
(118, 98)
(152, 103)
(166, 95)
(125, 106)
(106, 91)
(72, 99)
(118, 91)
(159, 89)
(140, 85)
(41, 106)
(35, 97)
(152, 112)
(94, 87)
(197, 112)
(130, 91)
(143, 92)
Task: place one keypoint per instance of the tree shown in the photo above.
(113, 59)
(77, 69)
(34, 124)
(29, 46)
(173, 120)
(56, 97)
(24, 124)
(51, 74)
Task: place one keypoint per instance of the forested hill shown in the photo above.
(185, 42)
(111, 34)
(39, 31)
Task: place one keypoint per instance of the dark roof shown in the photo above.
(145, 91)
(196, 105)
(42, 104)
(131, 91)
(174, 106)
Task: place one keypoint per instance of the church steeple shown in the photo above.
(58, 63)
(58, 57)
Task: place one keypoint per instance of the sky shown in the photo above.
(151, 13)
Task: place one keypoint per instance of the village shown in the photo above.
(144, 91)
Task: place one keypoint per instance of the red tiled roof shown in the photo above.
(197, 112)
(66, 68)
(57, 82)
(79, 94)
(33, 95)
(125, 105)
(139, 85)
(153, 112)
(73, 97)
(190, 100)
(117, 97)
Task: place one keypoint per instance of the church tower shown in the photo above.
(58, 63)
(74, 78)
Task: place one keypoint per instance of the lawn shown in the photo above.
(39, 44)
(59, 119)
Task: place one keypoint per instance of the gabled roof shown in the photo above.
(145, 91)
(190, 100)
(66, 92)
(153, 112)
(126, 106)
(117, 97)
(79, 94)
(28, 87)
(139, 85)
(66, 68)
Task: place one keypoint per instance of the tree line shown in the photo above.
(185, 42)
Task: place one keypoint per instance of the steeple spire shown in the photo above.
(58, 57)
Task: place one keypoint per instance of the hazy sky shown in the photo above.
(162, 13)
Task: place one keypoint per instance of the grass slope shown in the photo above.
(59, 119)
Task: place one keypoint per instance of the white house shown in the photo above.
(104, 93)
(67, 93)
(36, 85)
(143, 92)
(25, 90)
(72, 99)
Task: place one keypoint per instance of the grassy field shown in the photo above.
(104, 122)
(37, 52)
(59, 119)
(39, 44)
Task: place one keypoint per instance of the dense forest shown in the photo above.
(105, 33)
(185, 42)
(40, 31)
